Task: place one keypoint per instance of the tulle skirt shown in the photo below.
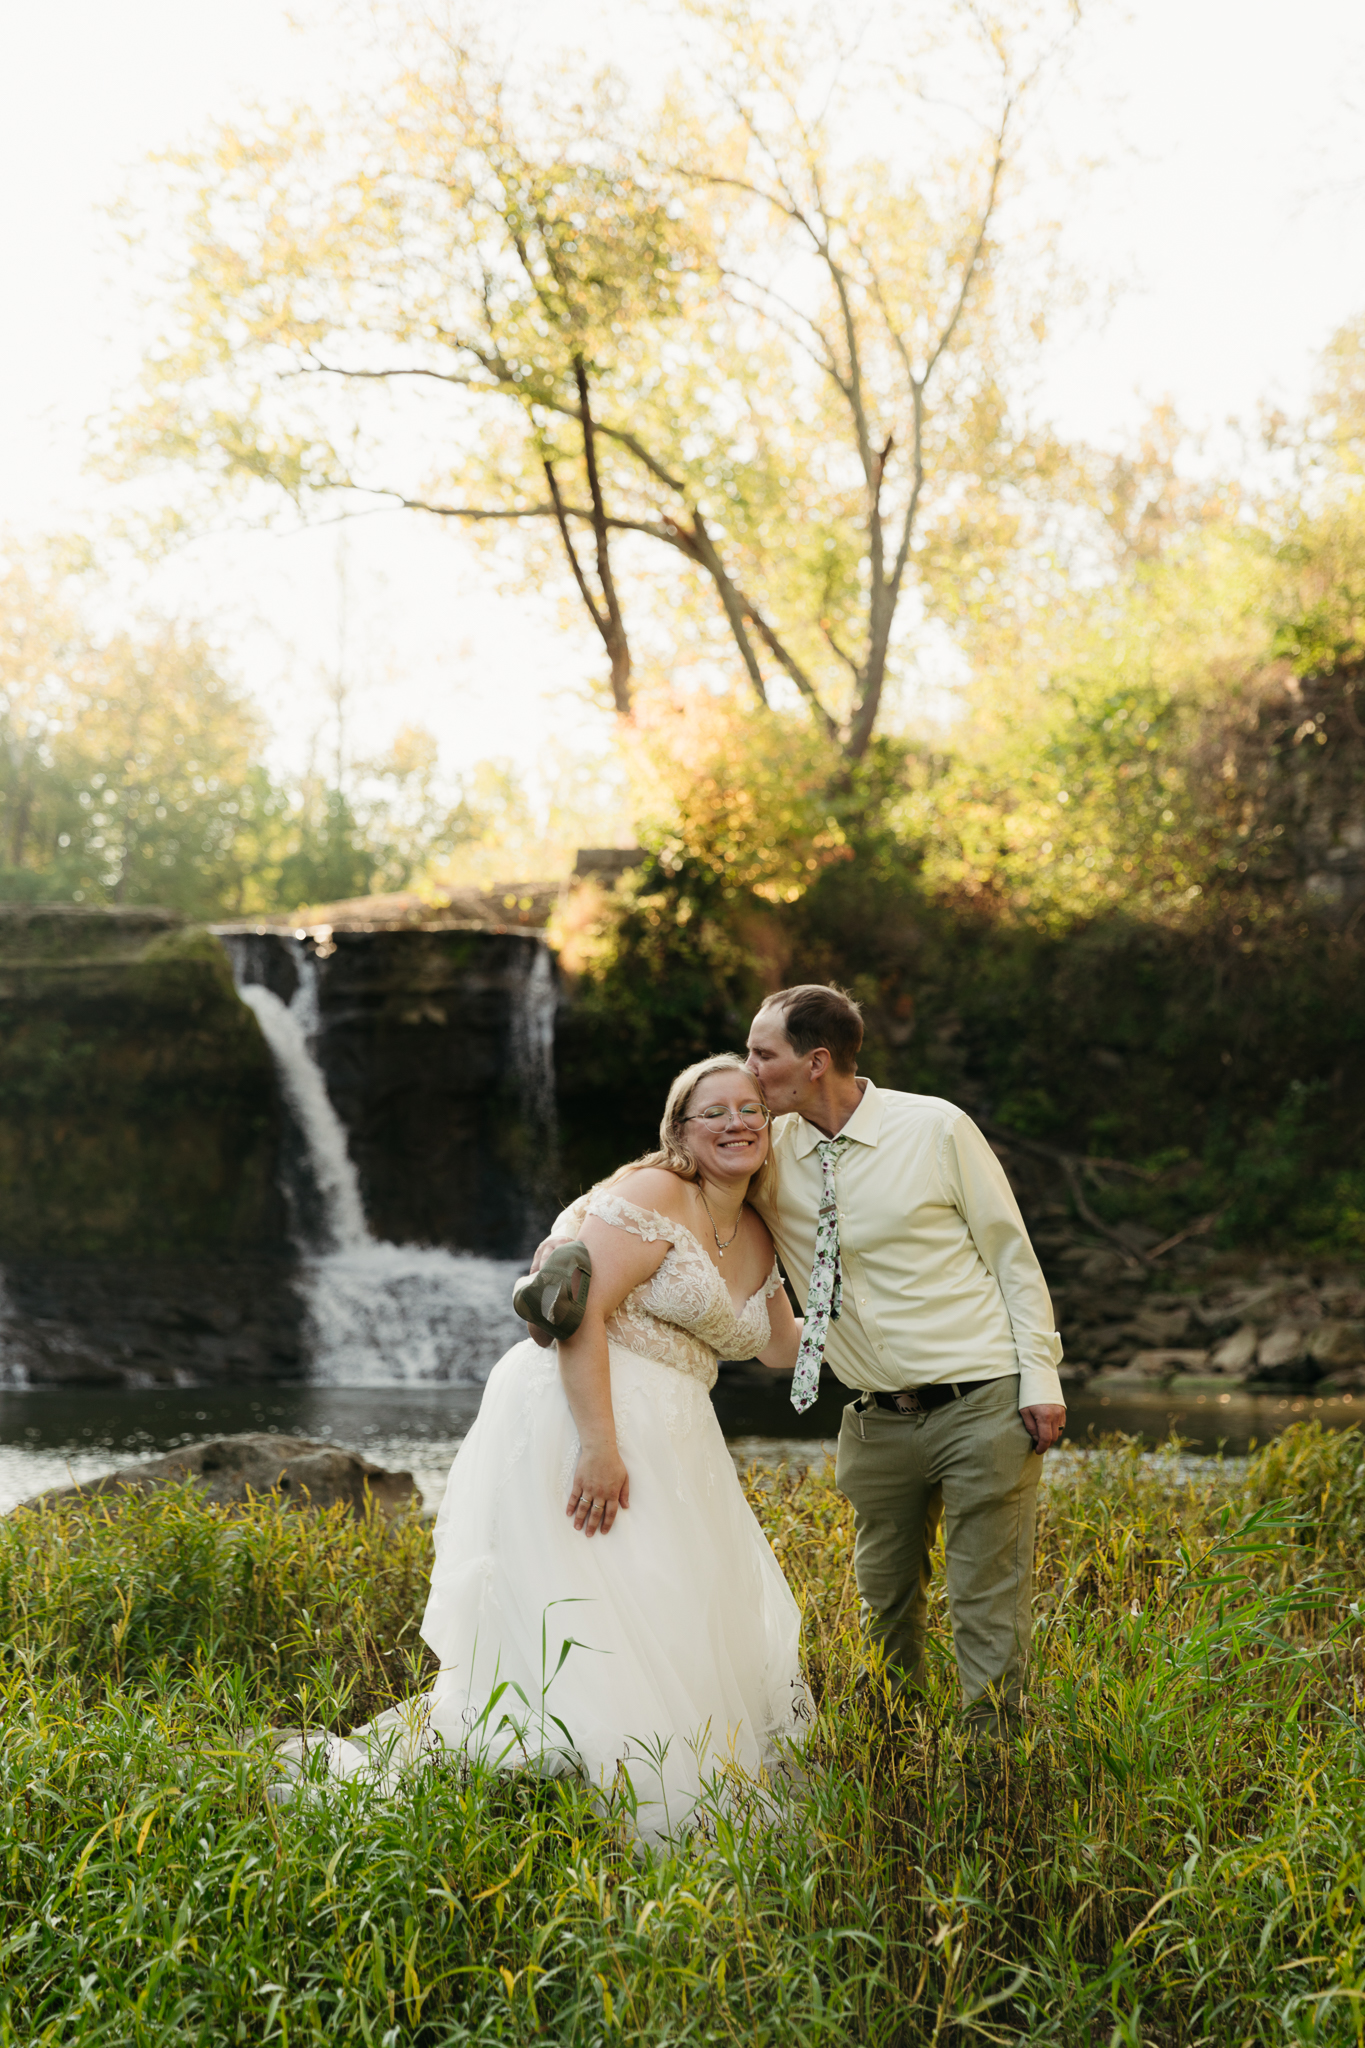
(656, 1660)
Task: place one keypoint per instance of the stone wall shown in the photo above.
(138, 1110)
(221, 1321)
(142, 1232)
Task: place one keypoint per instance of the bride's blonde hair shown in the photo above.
(675, 1153)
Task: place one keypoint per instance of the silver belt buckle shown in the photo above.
(908, 1402)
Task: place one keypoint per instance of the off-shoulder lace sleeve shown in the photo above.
(569, 1221)
(645, 1223)
(773, 1284)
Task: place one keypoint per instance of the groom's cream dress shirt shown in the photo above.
(940, 1281)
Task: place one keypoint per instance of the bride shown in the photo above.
(602, 1598)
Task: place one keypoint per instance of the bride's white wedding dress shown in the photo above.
(684, 1632)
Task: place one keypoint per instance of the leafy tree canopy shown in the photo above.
(130, 772)
(754, 350)
(126, 760)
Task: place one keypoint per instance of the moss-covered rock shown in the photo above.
(138, 1108)
(70, 932)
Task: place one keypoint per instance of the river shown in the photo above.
(48, 1439)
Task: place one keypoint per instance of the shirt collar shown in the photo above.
(864, 1126)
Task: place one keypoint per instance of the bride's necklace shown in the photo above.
(721, 1248)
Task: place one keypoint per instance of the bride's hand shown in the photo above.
(600, 1486)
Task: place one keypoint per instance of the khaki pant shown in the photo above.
(970, 1465)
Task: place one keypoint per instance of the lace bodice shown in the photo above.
(682, 1315)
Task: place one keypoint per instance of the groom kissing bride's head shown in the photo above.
(803, 1047)
(897, 1229)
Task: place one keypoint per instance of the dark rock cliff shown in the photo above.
(138, 1109)
(142, 1231)
(436, 1047)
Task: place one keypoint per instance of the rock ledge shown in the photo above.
(233, 1469)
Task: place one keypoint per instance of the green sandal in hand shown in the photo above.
(554, 1300)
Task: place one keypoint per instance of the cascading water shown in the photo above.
(379, 1313)
(287, 1032)
(533, 1053)
(533, 1041)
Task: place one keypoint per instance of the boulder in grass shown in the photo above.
(230, 1470)
(1337, 1346)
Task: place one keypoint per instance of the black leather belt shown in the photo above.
(923, 1400)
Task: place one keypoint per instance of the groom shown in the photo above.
(898, 1229)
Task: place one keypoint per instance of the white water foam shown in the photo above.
(379, 1314)
(410, 1313)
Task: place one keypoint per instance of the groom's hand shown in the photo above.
(1044, 1424)
(543, 1250)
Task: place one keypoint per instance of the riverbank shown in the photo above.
(1173, 1853)
(48, 1439)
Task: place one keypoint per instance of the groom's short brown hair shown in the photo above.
(818, 1014)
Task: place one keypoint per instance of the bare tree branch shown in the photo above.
(703, 550)
(614, 631)
(844, 656)
(562, 519)
(863, 723)
(527, 389)
(793, 668)
(823, 356)
(474, 513)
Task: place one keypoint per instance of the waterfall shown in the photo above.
(533, 1054)
(379, 1313)
(287, 1032)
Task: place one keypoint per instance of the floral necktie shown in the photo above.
(826, 1282)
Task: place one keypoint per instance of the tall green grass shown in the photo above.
(1172, 1854)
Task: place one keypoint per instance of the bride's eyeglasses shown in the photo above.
(754, 1114)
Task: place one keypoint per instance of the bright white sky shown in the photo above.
(1232, 211)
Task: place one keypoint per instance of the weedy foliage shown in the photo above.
(1172, 1854)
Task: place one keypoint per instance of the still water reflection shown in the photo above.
(50, 1439)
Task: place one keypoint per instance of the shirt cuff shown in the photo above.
(1040, 1387)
